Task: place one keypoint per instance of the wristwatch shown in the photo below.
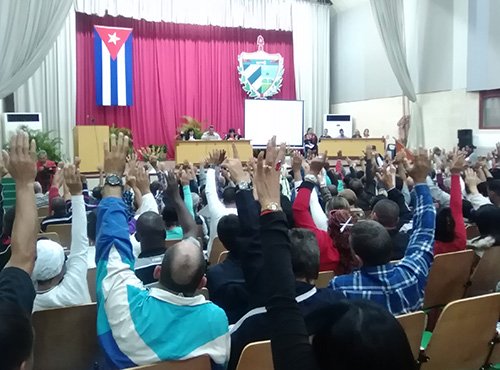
(113, 180)
(311, 178)
(271, 207)
(243, 185)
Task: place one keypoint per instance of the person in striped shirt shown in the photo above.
(138, 325)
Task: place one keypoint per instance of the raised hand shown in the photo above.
(420, 167)
(267, 175)
(142, 180)
(184, 177)
(172, 184)
(317, 164)
(21, 159)
(216, 157)
(471, 180)
(115, 154)
(457, 164)
(72, 179)
(297, 161)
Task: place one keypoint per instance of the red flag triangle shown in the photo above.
(113, 38)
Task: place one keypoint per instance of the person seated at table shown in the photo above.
(233, 135)
(356, 135)
(210, 134)
(341, 134)
(366, 133)
(325, 135)
(189, 135)
(310, 143)
(45, 170)
(59, 214)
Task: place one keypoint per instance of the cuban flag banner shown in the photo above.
(113, 65)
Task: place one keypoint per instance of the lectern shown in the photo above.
(89, 143)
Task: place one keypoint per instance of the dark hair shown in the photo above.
(494, 187)
(304, 251)
(340, 234)
(58, 206)
(16, 336)
(387, 212)
(487, 219)
(356, 186)
(186, 135)
(92, 226)
(169, 215)
(229, 195)
(445, 225)
(358, 331)
(231, 131)
(336, 203)
(150, 231)
(183, 268)
(371, 242)
(228, 230)
(97, 192)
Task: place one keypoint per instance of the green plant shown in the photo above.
(125, 131)
(192, 123)
(44, 141)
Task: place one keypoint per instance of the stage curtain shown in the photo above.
(178, 70)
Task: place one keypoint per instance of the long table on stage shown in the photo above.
(350, 147)
(196, 151)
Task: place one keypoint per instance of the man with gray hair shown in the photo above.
(41, 199)
(45, 170)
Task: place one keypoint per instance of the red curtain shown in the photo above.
(178, 70)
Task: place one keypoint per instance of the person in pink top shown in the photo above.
(450, 233)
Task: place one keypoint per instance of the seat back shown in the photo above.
(448, 278)
(91, 277)
(43, 211)
(495, 355)
(472, 232)
(64, 232)
(66, 338)
(414, 326)
(324, 278)
(223, 256)
(486, 276)
(256, 355)
(462, 337)
(197, 363)
(51, 236)
(215, 252)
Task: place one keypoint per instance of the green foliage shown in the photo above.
(192, 123)
(45, 141)
(126, 132)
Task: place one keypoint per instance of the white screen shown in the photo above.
(283, 118)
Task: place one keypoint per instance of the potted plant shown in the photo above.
(45, 141)
(192, 123)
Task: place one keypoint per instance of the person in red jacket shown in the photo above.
(328, 254)
(45, 170)
(450, 235)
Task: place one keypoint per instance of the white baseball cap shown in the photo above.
(49, 260)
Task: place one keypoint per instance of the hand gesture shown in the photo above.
(20, 161)
(72, 179)
(184, 177)
(172, 184)
(349, 161)
(317, 164)
(471, 179)
(457, 163)
(142, 180)
(387, 176)
(115, 154)
(297, 161)
(267, 175)
(421, 166)
(216, 157)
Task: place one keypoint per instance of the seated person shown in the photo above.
(233, 135)
(139, 325)
(45, 170)
(150, 232)
(16, 289)
(255, 325)
(225, 281)
(58, 216)
(310, 143)
(400, 287)
(189, 135)
(61, 283)
(42, 200)
(348, 333)
(210, 134)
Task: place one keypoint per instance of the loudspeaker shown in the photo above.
(464, 138)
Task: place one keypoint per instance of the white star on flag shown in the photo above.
(113, 38)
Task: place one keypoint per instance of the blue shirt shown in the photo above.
(138, 326)
(399, 288)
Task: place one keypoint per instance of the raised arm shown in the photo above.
(457, 166)
(475, 197)
(186, 220)
(21, 164)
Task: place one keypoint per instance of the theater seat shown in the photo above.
(413, 325)
(255, 356)
(462, 338)
(64, 232)
(217, 249)
(197, 363)
(324, 278)
(485, 277)
(66, 338)
(448, 278)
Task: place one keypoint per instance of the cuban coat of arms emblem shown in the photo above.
(261, 73)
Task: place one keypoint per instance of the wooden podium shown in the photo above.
(196, 151)
(350, 147)
(89, 144)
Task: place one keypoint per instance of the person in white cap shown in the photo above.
(61, 283)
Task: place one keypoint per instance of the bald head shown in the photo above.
(183, 268)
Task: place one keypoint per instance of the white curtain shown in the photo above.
(311, 51)
(52, 88)
(28, 29)
(259, 14)
(389, 18)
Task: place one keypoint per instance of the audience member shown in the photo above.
(59, 214)
(42, 200)
(45, 170)
(16, 289)
(60, 282)
(136, 325)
